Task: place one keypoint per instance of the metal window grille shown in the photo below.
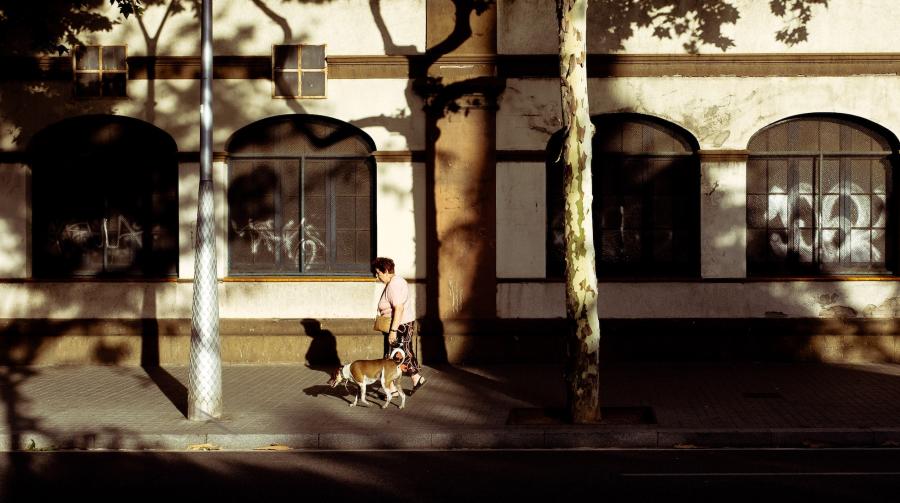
(646, 193)
(105, 199)
(300, 198)
(300, 216)
(818, 192)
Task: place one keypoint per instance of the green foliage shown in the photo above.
(128, 7)
(53, 26)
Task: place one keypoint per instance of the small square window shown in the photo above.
(100, 71)
(299, 71)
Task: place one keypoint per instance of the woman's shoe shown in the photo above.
(419, 384)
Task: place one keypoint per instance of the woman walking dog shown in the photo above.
(395, 302)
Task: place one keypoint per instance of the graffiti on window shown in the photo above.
(82, 235)
(290, 240)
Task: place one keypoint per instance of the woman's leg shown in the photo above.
(412, 363)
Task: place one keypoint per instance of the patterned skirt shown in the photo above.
(406, 334)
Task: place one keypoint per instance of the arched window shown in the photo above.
(300, 197)
(104, 199)
(819, 196)
(646, 178)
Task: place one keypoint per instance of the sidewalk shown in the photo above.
(694, 405)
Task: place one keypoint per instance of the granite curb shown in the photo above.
(560, 437)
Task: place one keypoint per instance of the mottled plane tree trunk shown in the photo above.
(581, 275)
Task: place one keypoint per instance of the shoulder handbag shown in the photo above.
(382, 324)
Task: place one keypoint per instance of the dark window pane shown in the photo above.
(363, 247)
(663, 246)
(346, 246)
(804, 136)
(87, 84)
(114, 85)
(87, 58)
(756, 176)
(663, 212)
(756, 245)
(860, 175)
(645, 207)
(345, 213)
(831, 136)
(806, 245)
(286, 84)
(114, 57)
(96, 214)
(344, 176)
(831, 245)
(252, 191)
(313, 247)
(777, 139)
(831, 176)
(778, 244)
(632, 137)
(313, 57)
(313, 84)
(285, 57)
(805, 174)
(315, 178)
(363, 212)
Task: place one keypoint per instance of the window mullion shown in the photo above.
(301, 237)
(844, 199)
(331, 204)
(793, 224)
(278, 220)
(817, 210)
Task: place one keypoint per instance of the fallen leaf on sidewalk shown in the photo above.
(203, 447)
(273, 447)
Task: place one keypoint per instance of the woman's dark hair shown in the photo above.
(383, 264)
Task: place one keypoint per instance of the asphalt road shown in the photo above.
(460, 476)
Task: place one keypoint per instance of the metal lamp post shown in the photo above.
(205, 377)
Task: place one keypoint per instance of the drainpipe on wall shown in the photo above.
(205, 376)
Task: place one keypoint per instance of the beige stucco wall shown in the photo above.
(723, 217)
(721, 112)
(521, 220)
(14, 217)
(385, 109)
(400, 210)
(838, 27)
(649, 300)
(242, 27)
(260, 300)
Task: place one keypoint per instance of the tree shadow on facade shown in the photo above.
(20, 351)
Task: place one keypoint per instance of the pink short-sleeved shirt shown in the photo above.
(396, 293)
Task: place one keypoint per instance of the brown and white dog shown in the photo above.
(365, 372)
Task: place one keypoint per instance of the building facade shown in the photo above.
(743, 181)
